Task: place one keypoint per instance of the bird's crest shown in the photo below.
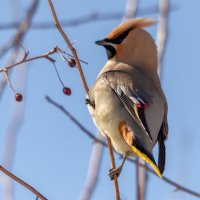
(129, 25)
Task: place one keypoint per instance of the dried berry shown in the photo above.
(71, 62)
(18, 97)
(67, 91)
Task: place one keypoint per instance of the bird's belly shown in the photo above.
(109, 125)
(119, 144)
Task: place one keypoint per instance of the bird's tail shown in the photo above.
(148, 158)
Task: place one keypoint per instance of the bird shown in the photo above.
(126, 102)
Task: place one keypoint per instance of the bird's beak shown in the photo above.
(104, 42)
(110, 47)
(101, 42)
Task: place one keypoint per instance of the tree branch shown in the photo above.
(73, 50)
(88, 18)
(75, 121)
(11, 135)
(21, 182)
(130, 9)
(165, 179)
(57, 24)
(25, 59)
(112, 158)
(22, 28)
(162, 32)
(93, 170)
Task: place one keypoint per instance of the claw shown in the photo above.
(114, 172)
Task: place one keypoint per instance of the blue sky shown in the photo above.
(51, 153)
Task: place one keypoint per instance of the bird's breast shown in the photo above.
(107, 115)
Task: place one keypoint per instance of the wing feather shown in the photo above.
(135, 105)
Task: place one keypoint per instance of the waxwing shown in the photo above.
(126, 101)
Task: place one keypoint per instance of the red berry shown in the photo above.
(67, 91)
(71, 62)
(18, 97)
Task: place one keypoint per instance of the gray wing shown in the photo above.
(137, 101)
(134, 99)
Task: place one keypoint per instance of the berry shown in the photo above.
(67, 91)
(71, 62)
(18, 97)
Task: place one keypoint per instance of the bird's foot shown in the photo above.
(114, 172)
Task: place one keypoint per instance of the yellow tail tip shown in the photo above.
(147, 159)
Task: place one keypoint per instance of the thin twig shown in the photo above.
(10, 139)
(165, 179)
(22, 28)
(25, 59)
(162, 33)
(85, 19)
(142, 177)
(177, 186)
(57, 24)
(93, 169)
(73, 119)
(112, 158)
(130, 9)
(21, 182)
(11, 135)
(3, 80)
(73, 50)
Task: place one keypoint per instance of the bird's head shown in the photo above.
(131, 44)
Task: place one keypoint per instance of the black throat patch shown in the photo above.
(110, 51)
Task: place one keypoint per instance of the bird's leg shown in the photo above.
(113, 172)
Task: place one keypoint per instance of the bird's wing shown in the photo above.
(135, 100)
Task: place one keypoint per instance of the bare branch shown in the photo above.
(177, 186)
(85, 19)
(130, 10)
(22, 28)
(112, 158)
(142, 178)
(11, 134)
(165, 179)
(25, 59)
(21, 182)
(57, 24)
(73, 50)
(93, 170)
(162, 33)
(74, 120)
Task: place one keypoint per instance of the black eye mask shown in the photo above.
(110, 50)
(119, 39)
